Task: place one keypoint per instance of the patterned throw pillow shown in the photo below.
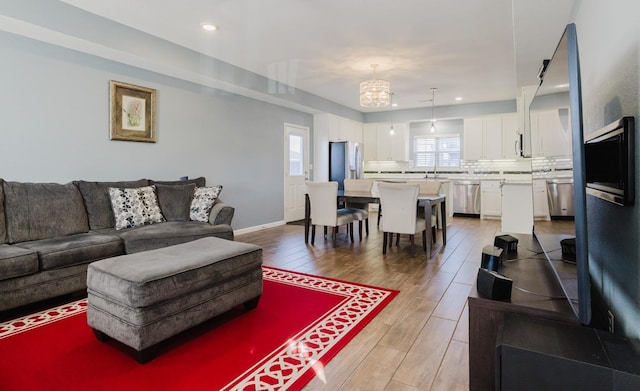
(203, 200)
(135, 207)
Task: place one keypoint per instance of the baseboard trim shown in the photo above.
(258, 227)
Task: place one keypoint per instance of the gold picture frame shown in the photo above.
(133, 112)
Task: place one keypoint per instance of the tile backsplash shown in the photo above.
(539, 166)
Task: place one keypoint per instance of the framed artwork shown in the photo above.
(133, 112)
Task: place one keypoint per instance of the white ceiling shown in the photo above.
(480, 50)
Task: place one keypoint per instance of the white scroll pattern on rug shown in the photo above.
(285, 365)
(20, 325)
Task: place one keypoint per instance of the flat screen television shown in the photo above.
(560, 90)
(609, 162)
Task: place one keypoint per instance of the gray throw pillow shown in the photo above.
(175, 200)
(203, 200)
(37, 211)
(98, 202)
(199, 182)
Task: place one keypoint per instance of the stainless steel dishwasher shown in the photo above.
(466, 197)
(560, 197)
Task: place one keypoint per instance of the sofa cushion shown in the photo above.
(97, 201)
(203, 200)
(37, 211)
(3, 223)
(175, 200)
(170, 233)
(16, 292)
(135, 207)
(60, 252)
(199, 182)
(16, 261)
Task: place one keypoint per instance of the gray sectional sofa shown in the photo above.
(49, 232)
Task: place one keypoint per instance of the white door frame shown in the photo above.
(294, 186)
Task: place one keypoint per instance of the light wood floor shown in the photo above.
(420, 340)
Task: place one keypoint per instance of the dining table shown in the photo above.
(429, 202)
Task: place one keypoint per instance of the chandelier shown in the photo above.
(375, 92)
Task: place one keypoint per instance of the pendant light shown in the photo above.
(433, 109)
(391, 130)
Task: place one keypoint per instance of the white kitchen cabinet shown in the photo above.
(483, 138)
(492, 137)
(349, 130)
(381, 145)
(510, 137)
(337, 128)
(370, 140)
(326, 128)
(473, 139)
(490, 199)
(524, 119)
(551, 133)
(517, 207)
(540, 201)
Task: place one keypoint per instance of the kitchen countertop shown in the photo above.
(443, 177)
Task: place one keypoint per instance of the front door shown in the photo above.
(296, 170)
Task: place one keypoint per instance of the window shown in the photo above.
(295, 155)
(436, 151)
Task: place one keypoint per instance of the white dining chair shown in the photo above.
(323, 197)
(429, 188)
(361, 211)
(400, 217)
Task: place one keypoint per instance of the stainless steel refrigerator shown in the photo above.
(345, 161)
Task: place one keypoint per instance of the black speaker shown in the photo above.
(492, 257)
(494, 285)
(506, 242)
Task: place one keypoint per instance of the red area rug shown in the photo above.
(301, 322)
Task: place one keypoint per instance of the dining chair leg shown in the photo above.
(313, 234)
(334, 235)
(360, 229)
(397, 239)
(325, 232)
(379, 213)
(366, 222)
(351, 231)
(413, 247)
(424, 240)
(384, 243)
(433, 234)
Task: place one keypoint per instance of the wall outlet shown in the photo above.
(611, 321)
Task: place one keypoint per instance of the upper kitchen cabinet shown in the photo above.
(551, 132)
(380, 144)
(483, 138)
(492, 137)
(337, 128)
(393, 146)
(370, 140)
(510, 137)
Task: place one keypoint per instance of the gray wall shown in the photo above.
(609, 46)
(54, 105)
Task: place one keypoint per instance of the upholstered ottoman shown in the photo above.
(144, 298)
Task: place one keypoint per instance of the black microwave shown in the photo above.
(609, 162)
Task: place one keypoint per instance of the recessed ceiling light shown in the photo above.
(394, 105)
(209, 26)
(459, 98)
